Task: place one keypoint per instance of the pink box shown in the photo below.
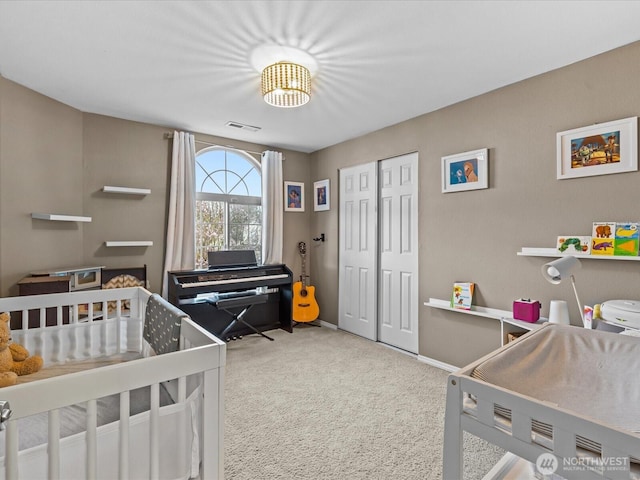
(526, 310)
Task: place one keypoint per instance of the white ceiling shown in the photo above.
(188, 64)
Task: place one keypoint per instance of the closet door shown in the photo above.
(398, 247)
(358, 273)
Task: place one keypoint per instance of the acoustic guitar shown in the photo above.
(305, 307)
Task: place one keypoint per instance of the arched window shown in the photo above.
(228, 203)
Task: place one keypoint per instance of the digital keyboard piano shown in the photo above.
(235, 286)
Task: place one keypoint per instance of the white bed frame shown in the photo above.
(518, 439)
(201, 355)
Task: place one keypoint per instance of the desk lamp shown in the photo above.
(558, 270)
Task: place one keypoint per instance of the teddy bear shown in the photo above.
(14, 358)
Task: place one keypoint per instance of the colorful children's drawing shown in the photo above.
(464, 171)
(627, 239)
(626, 230)
(602, 246)
(595, 150)
(573, 245)
(603, 230)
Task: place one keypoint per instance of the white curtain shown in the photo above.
(272, 207)
(181, 244)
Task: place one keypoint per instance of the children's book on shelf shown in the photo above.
(602, 246)
(602, 238)
(603, 230)
(626, 239)
(573, 245)
(462, 295)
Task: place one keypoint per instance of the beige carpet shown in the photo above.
(324, 404)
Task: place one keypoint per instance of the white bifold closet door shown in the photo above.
(357, 310)
(378, 266)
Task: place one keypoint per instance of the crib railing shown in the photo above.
(85, 331)
(84, 306)
(201, 354)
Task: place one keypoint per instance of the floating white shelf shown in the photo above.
(129, 243)
(504, 316)
(552, 252)
(60, 218)
(477, 311)
(126, 190)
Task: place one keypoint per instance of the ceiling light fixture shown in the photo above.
(286, 84)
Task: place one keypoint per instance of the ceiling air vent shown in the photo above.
(242, 126)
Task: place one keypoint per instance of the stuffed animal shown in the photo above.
(14, 358)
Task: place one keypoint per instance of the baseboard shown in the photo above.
(399, 350)
(437, 364)
(328, 325)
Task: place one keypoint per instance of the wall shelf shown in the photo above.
(126, 190)
(60, 218)
(129, 243)
(477, 311)
(552, 253)
(507, 322)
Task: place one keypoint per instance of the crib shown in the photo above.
(562, 400)
(109, 402)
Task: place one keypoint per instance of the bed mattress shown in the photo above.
(33, 429)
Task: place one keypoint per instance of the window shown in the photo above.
(228, 203)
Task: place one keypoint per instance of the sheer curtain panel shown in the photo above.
(272, 207)
(181, 245)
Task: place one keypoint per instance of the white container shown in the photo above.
(625, 313)
(559, 312)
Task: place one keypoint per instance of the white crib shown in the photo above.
(94, 363)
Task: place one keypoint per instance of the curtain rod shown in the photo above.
(170, 135)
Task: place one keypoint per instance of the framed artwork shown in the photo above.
(599, 149)
(465, 171)
(321, 195)
(293, 197)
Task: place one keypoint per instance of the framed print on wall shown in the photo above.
(321, 196)
(599, 149)
(465, 171)
(293, 197)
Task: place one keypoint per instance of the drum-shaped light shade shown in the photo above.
(286, 84)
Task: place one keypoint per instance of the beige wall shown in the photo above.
(55, 159)
(40, 171)
(474, 236)
(125, 154)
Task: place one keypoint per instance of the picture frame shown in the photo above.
(600, 149)
(321, 196)
(465, 171)
(293, 197)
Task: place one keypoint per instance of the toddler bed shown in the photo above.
(137, 393)
(563, 391)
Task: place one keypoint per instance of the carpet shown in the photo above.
(323, 404)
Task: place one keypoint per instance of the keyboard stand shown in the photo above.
(245, 303)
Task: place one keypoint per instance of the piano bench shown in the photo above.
(244, 302)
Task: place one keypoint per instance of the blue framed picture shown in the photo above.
(293, 197)
(465, 171)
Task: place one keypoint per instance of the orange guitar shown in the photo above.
(305, 307)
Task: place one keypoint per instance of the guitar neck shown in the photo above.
(303, 275)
